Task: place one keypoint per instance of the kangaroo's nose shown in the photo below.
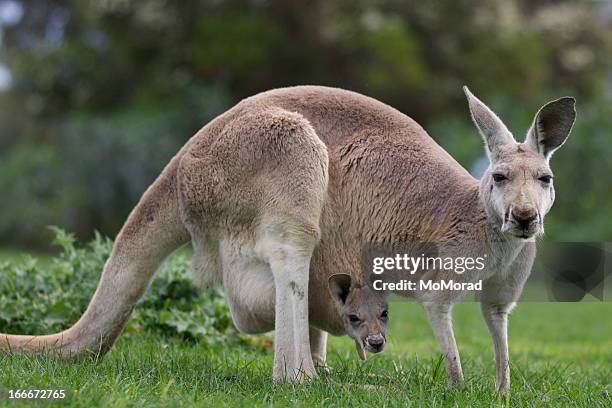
(376, 342)
(525, 216)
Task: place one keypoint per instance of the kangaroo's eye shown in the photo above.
(354, 318)
(545, 179)
(384, 314)
(498, 177)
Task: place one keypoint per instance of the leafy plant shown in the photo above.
(39, 299)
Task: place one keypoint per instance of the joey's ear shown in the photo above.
(340, 286)
(551, 126)
(492, 129)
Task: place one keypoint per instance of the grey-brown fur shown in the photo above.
(298, 179)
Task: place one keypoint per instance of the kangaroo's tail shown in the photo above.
(152, 231)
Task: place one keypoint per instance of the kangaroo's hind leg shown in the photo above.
(204, 264)
(259, 186)
(288, 231)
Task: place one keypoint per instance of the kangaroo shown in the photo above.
(284, 189)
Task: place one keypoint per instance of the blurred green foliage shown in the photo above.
(40, 299)
(105, 92)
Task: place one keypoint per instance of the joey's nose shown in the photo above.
(524, 217)
(375, 343)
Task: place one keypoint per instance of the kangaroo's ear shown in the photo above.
(492, 129)
(340, 286)
(551, 126)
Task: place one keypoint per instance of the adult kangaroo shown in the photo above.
(300, 179)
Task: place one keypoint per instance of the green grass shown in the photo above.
(561, 355)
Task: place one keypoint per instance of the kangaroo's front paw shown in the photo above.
(321, 366)
(503, 389)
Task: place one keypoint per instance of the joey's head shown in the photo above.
(364, 313)
(517, 188)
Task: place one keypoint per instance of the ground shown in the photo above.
(561, 355)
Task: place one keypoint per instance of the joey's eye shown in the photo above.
(545, 179)
(498, 177)
(354, 318)
(384, 314)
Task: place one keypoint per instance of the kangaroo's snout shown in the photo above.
(522, 221)
(375, 343)
(524, 217)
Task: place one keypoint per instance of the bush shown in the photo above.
(90, 169)
(40, 299)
